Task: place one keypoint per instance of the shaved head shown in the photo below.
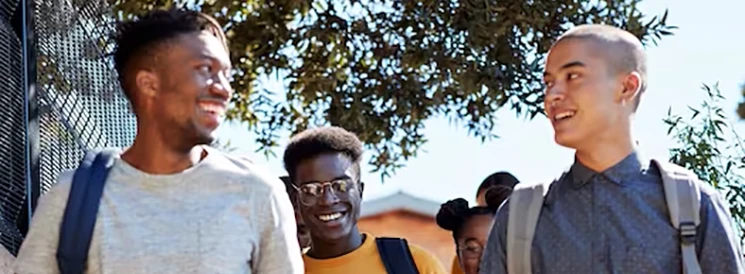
(623, 51)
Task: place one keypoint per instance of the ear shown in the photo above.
(148, 83)
(362, 188)
(632, 84)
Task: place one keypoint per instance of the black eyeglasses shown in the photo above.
(309, 193)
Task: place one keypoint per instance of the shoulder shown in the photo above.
(674, 171)
(52, 203)
(526, 193)
(503, 213)
(523, 195)
(710, 198)
(6, 261)
(455, 266)
(242, 169)
(425, 261)
(59, 192)
(712, 201)
(708, 192)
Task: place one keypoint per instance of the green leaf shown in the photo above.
(703, 148)
(695, 112)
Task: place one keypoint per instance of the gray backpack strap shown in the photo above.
(684, 203)
(525, 206)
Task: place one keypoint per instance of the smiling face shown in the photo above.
(189, 89)
(584, 98)
(329, 196)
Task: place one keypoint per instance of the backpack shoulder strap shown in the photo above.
(526, 202)
(683, 199)
(396, 256)
(79, 217)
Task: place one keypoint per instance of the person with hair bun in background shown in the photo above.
(471, 225)
(501, 178)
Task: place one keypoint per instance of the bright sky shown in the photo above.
(708, 48)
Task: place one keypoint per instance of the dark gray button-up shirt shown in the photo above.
(617, 221)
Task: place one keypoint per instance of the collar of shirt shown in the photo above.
(580, 175)
(620, 174)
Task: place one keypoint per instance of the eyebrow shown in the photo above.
(471, 239)
(566, 66)
(342, 177)
(226, 66)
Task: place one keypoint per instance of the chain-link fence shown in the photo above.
(12, 128)
(80, 104)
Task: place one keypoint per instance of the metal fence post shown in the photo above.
(31, 108)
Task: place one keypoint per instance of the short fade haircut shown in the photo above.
(627, 55)
(323, 140)
(138, 41)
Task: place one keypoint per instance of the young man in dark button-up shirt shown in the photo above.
(608, 213)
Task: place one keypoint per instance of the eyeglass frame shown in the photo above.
(464, 249)
(323, 185)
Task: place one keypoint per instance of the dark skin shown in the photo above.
(339, 237)
(178, 100)
(472, 238)
(303, 235)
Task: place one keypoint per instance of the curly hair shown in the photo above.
(323, 140)
(138, 41)
(454, 214)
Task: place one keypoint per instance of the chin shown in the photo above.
(207, 140)
(200, 140)
(330, 237)
(204, 137)
(334, 235)
(566, 141)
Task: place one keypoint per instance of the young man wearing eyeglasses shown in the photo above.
(324, 167)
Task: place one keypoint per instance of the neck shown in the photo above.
(321, 249)
(606, 153)
(149, 153)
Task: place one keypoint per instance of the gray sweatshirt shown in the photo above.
(224, 215)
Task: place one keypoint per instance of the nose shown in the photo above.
(554, 93)
(220, 87)
(327, 197)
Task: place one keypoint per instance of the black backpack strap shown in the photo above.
(396, 256)
(79, 218)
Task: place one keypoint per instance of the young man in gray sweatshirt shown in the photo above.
(171, 204)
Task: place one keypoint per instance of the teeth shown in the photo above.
(329, 217)
(219, 110)
(563, 115)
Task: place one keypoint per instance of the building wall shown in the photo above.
(417, 229)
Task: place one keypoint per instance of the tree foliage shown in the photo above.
(381, 68)
(708, 145)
